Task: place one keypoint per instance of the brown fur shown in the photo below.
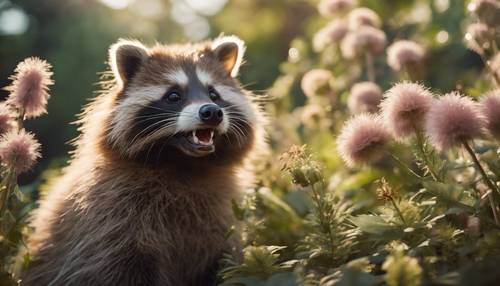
(112, 220)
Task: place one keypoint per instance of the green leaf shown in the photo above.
(356, 277)
(451, 195)
(376, 225)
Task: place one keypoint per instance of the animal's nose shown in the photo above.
(211, 114)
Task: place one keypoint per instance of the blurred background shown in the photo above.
(74, 35)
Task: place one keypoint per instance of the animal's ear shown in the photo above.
(229, 50)
(125, 58)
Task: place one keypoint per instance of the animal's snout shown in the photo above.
(211, 114)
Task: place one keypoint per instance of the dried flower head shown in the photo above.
(364, 40)
(362, 139)
(316, 82)
(332, 33)
(363, 17)
(333, 7)
(365, 97)
(29, 89)
(404, 108)
(478, 37)
(19, 150)
(452, 119)
(304, 170)
(7, 119)
(487, 11)
(490, 105)
(403, 54)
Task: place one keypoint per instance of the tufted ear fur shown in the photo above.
(125, 58)
(229, 50)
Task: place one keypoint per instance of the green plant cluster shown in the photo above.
(414, 217)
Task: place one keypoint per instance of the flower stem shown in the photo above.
(397, 209)
(4, 196)
(420, 144)
(20, 119)
(322, 215)
(404, 166)
(370, 69)
(486, 179)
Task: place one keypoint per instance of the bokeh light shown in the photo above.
(13, 21)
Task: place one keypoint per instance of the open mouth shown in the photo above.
(202, 137)
(200, 142)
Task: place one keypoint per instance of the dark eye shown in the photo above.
(212, 93)
(173, 96)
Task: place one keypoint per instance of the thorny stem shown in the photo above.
(420, 144)
(485, 178)
(370, 69)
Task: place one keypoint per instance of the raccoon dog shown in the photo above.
(146, 199)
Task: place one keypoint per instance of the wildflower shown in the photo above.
(452, 120)
(332, 33)
(478, 37)
(315, 82)
(28, 91)
(365, 97)
(332, 7)
(486, 10)
(403, 54)
(362, 139)
(363, 17)
(364, 40)
(311, 114)
(404, 108)
(304, 170)
(7, 122)
(490, 106)
(19, 150)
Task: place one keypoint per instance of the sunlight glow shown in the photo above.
(207, 7)
(13, 21)
(442, 37)
(117, 4)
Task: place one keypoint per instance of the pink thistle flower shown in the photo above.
(362, 139)
(404, 108)
(7, 119)
(404, 53)
(19, 150)
(364, 40)
(478, 37)
(363, 17)
(315, 82)
(365, 97)
(490, 106)
(452, 119)
(332, 33)
(29, 89)
(332, 7)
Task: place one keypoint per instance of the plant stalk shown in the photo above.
(486, 179)
(370, 69)
(420, 144)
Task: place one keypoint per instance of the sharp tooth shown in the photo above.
(195, 138)
(211, 135)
